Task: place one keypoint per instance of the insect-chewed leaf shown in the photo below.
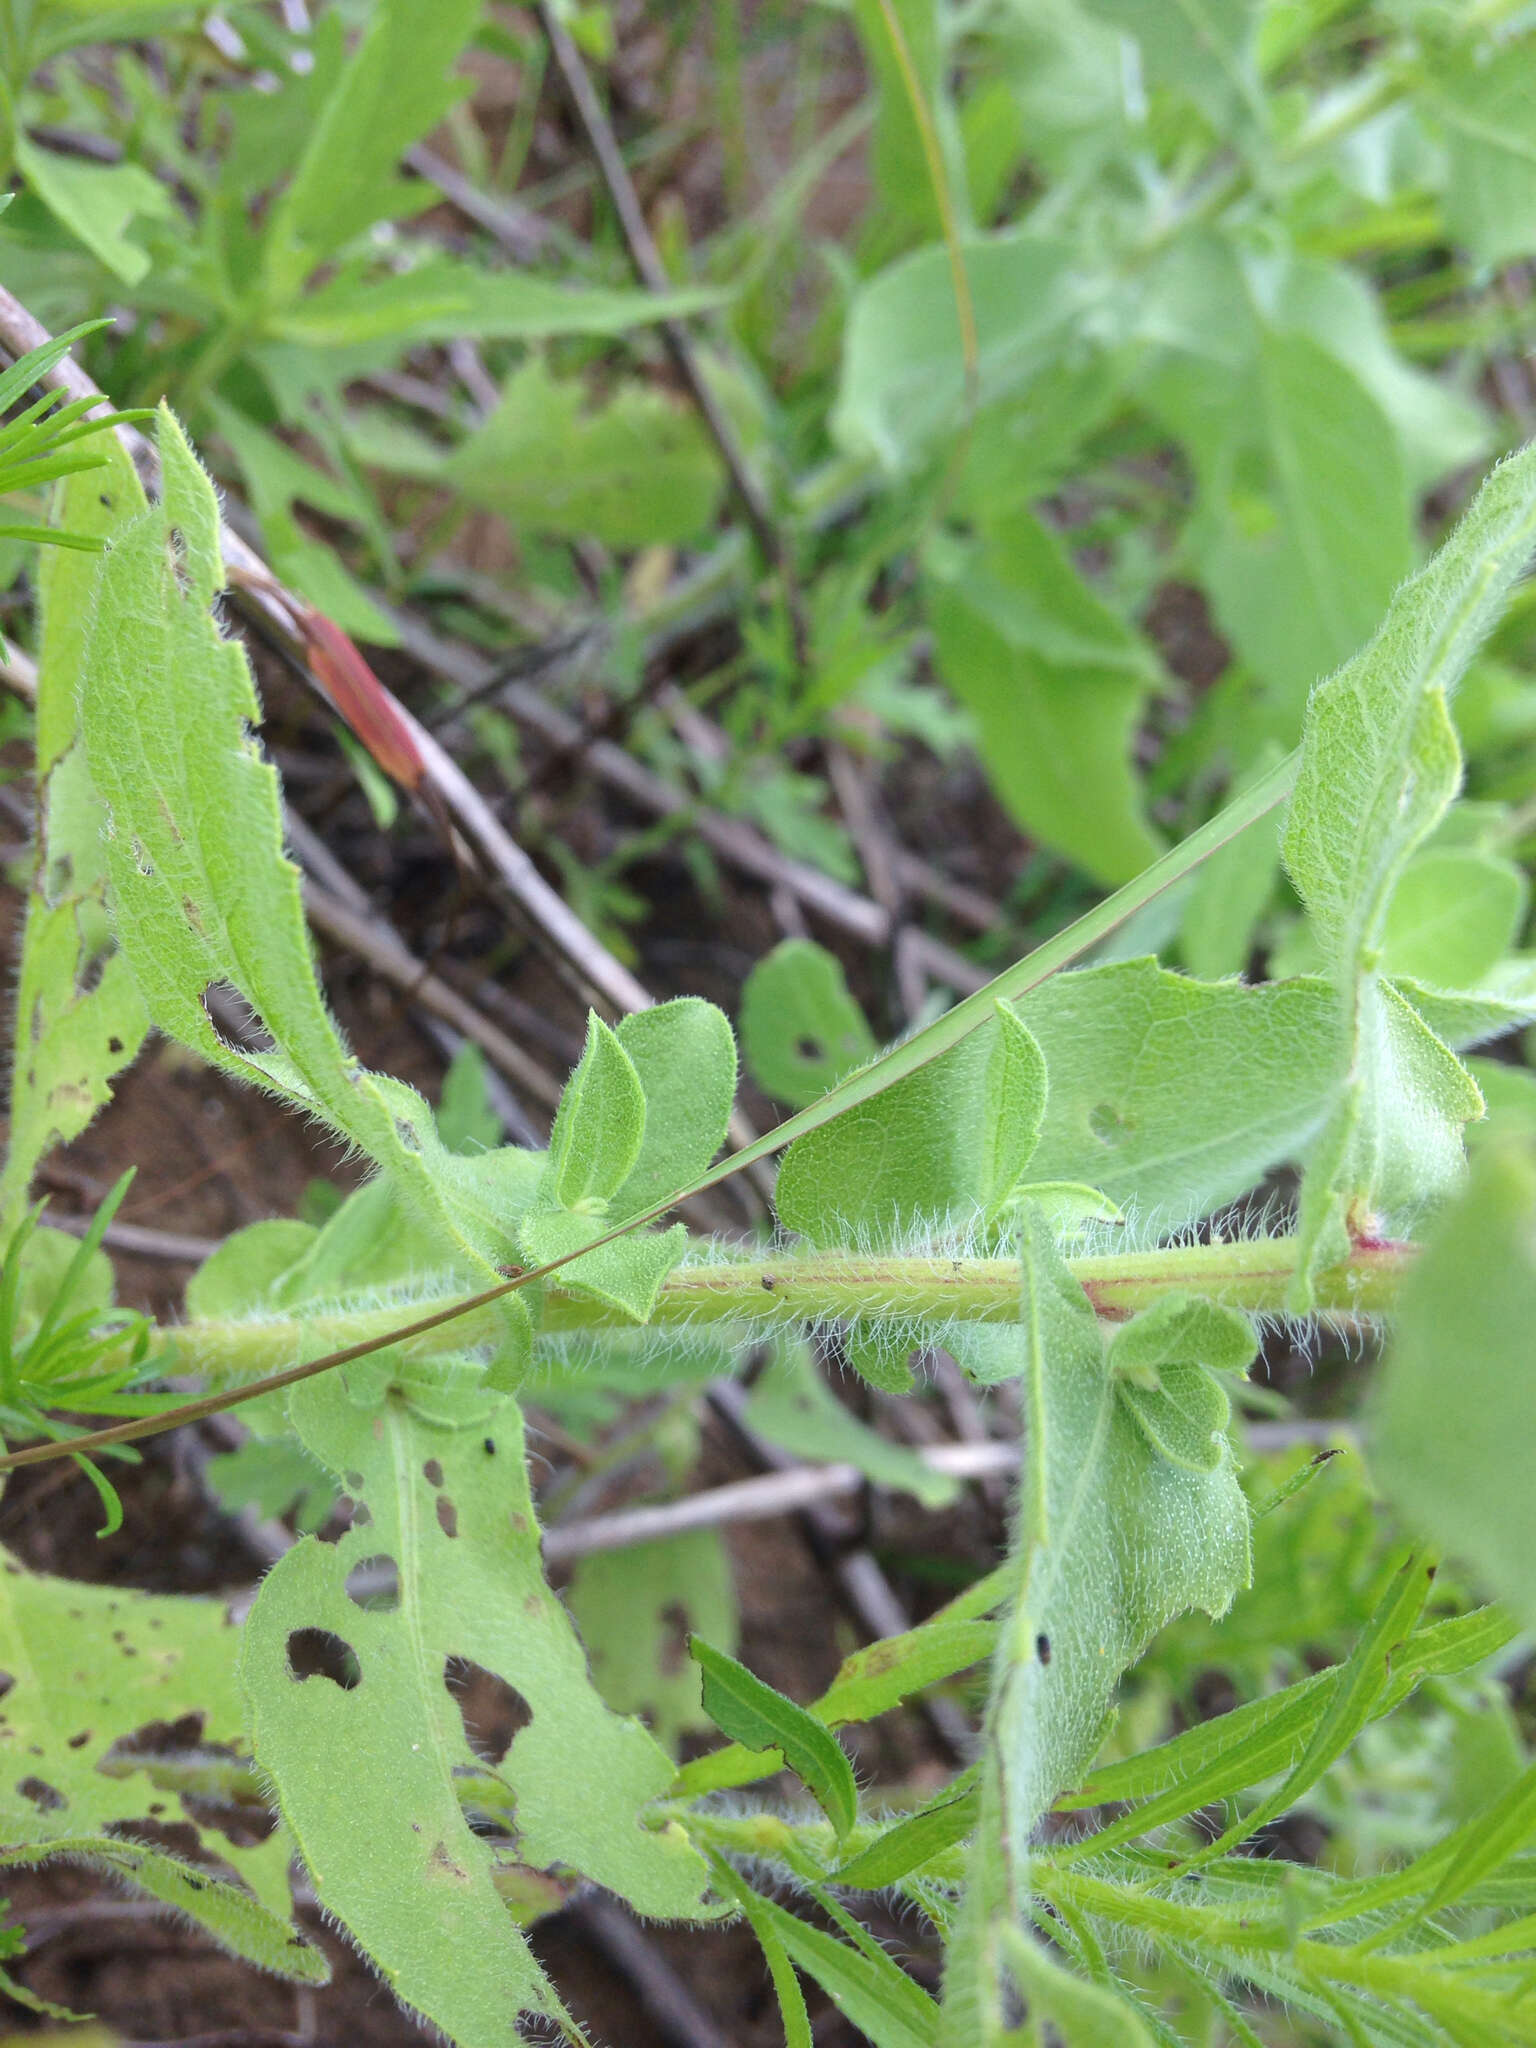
(801, 1030)
(1116, 1541)
(634, 1609)
(113, 1698)
(203, 899)
(79, 1016)
(529, 1742)
(753, 1714)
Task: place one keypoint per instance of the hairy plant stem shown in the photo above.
(1248, 1274)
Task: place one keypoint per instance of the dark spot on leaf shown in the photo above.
(1107, 1124)
(674, 1646)
(374, 1582)
(114, 1045)
(46, 1798)
(447, 1516)
(318, 1653)
(6, 1682)
(432, 1472)
(492, 1711)
(1043, 1648)
(490, 1447)
(810, 1049)
(79, 1741)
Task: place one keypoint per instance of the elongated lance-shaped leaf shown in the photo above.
(203, 898)
(752, 1713)
(79, 1016)
(1380, 766)
(387, 1841)
(1221, 1758)
(91, 1666)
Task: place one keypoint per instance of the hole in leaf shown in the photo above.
(6, 1682)
(114, 1045)
(236, 1023)
(432, 1472)
(374, 1583)
(46, 1798)
(447, 1516)
(492, 1711)
(318, 1653)
(810, 1049)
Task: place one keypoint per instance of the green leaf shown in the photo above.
(1380, 766)
(634, 472)
(756, 1716)
(394, 88)
(903, 376)
(1087, 2015)
(938, 1149)
(1304, 526)
(904, 49)
(1056, 682)
(1483, 98)
(452, 1510)
(1183, 1329)
(97, 203)
(1454, 914)
(445, 300)
(1184, 1417)
(1380, 761)
(92, 1666)
(1168, 1095)
(79, 1016)
(467, 1119)
(873, 1680)
(1204, 50)
(910, 1844)
(1452, 1412)
(599, 1125)
(1116, 1541)
(1358, 1685)
(635, 1609)
(786, 1985)
(801, 1031)
(684, 1055)
(793, 1407)
(870, 1682)
(203, 898)
(626, 1273)
(871, 1991)
(1260, 1739)
(277, 479)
